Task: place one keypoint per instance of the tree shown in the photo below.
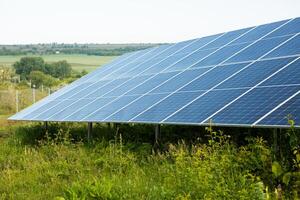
(38, 78)
(28, 64)
(61, 69)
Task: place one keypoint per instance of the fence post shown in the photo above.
(33, 93)
(17, 101)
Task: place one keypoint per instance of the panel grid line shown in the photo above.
(154, 75)
(231, 75)
(133, 77)
(274, 109)
(252, 88)
(204, 74)
(61, 92)
(100, 80)
(176, 74)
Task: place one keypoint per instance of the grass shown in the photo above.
(57, 167)
(59, 164)
(79, 62)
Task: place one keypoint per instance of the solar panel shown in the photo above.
(247, 77)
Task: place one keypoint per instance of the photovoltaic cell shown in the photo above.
(259, 32)
(85, 110)
(226, 38)
(107, 110)
(182, 79)
(190, 60)
(130, 84)
(287, 49)
(252, 52)
(213, 77)
(288, 75)
(99, 92)
(203, 107)
(135, 108)
(254, 105)
(221, 55)
(166, 107)
(151, 83)
(288, 111)
(289, 28)
(255, 73)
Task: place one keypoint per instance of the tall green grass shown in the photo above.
(59, 164)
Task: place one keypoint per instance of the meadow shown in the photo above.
(78, 62)
(121, 163)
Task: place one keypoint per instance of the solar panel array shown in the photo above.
(247, 77)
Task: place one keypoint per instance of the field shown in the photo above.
(79, 62)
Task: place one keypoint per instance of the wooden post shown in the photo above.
(33, 93)
(89, 134)
(17, 101)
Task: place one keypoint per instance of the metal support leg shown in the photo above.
(89, 135)
(275, 141)
(157, 134)
(46, 126)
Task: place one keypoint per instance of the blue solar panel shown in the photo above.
(227, 38)
(252, 52)
(289, 28)
(180, 80)
(190, 60)
(151, 83)
(259, 32)
(166, 107)
(99, 92)
(64, 112)
(287, 49)
(213, 77)
(221, 55)
(101, 113)
(289, 75)
(242, 77)
(280, 116)
(40, 110)
(255, 73)
(253, 105)
(123, 88)
(85, 110)
(135, 108)
(204, 106)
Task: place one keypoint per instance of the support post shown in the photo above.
(46, 126)
(275, 141)
(89, 134)
(157, 134)
(17, 101)
(33, 93)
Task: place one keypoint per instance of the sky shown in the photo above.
(132, 21)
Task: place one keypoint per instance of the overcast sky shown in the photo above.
(132, 21)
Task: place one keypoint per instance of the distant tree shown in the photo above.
(61, 69)
(38, 78)
(28, 64)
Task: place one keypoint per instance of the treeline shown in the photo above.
(38, 72)
(88, 49)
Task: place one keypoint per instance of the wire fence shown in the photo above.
(12, 100)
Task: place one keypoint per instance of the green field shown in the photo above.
(78, 61)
